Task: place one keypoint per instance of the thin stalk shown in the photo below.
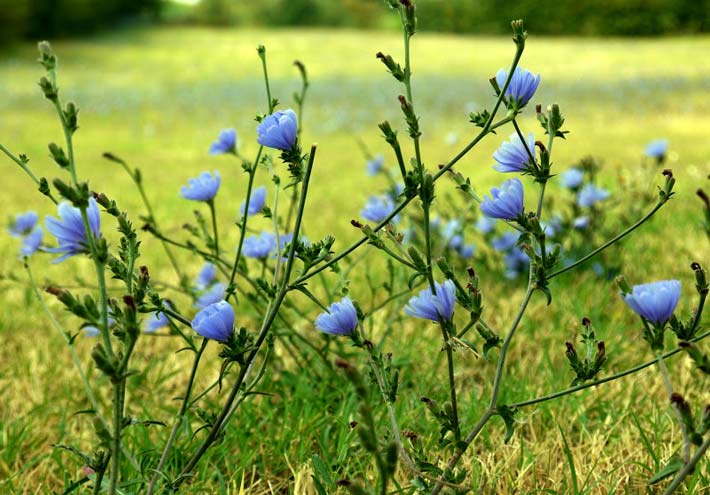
(611, 241)
(488, 127)
(610, 378)
(77, 362)
(688, 468)
(497, 380)
(148, 206)
(215, 234)
(24, 167)
(179, 419)
(116, 439)
(669, 390)
(265, 328)
(275, 217)
(525, 143)
(243, 225)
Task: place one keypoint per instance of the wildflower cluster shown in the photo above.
(270, 300)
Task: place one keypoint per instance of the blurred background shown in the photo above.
(31, 19)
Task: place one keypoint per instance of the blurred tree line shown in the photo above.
(35, 19)
(40, 19)
(573, 17)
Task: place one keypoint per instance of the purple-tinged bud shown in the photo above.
(586, 322)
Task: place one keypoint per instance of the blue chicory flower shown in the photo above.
(23, 224)
(378, 208)
(516, 262)
(206, 276)
(657, 148)
(506, 241)
(456, 241)
(278, 130)
(433, 306)
(225, 143)
(211, 295)
(580, 223)
(485, 225)
(374, 165)
(256, 202)
(552, 227)
(202, 188)
(572, 178)
(505, 202)
(590, 195)
(215, 321)
(69, 229)
(155, 322)
(340, 319)
(467, 251)
(259, 246)
(655, 301)
(514, 155)
(92, 331)
(522, 85)
(31, 242)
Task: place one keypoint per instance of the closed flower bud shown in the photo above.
(69, 229)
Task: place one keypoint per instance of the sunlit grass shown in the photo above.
(158, 98)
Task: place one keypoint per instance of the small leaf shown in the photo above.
(321, 470)
(674, 465)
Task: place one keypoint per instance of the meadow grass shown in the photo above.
(158, 97)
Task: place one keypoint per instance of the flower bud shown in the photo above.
(50, 90)
(58, 155)
(623, 285)
(394, 68)
(701, 282)
(519, 32)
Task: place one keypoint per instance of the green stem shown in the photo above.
(24, 167)
(179, 419)
(611, 241)
(210, 203)
(611, 378)
(265, 328)
(669, 390)
(524, 142)
(243, 226)
(149, 208)
(688, 468)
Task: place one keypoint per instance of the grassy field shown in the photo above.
(158, 98)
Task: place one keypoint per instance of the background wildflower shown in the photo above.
(514, 155)
(256, 202)
(340, 319)
(505, 203)
(202, 188)
(69, 229)
(215, 321)
(431, 306)
(225, 143)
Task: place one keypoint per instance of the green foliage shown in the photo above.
(53, 18)
(588, 17)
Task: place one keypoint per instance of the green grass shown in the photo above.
(158, 98)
